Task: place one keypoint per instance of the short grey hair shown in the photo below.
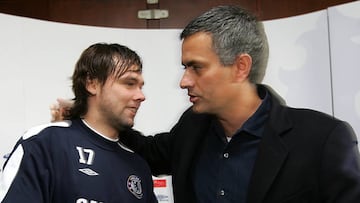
(234, 31)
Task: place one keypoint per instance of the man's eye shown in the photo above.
(192, 67)
(130, 83)
(196, 68)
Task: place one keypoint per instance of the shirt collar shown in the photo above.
(255, 124)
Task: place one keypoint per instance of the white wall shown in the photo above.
(344, 27)
(299, 63)
(314, 63)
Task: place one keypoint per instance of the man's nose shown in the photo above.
(140, 95)
(186, 80)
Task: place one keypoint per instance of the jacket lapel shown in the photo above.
(271, 156)
(272, 152)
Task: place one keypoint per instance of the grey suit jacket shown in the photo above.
(304, 157)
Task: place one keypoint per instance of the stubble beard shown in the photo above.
(118, 121)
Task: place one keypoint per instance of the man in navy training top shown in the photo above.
(80, 159)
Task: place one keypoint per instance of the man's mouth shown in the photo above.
(193, 98)
(133, 109)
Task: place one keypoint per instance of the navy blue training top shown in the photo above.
(69, 162)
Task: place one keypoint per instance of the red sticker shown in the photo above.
(160, 183)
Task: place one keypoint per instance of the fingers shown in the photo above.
(60, 109)
(55, 113)
(65, 103)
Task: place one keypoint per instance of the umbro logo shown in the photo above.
(88, 171)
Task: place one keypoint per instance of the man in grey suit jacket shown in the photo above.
(239, 142)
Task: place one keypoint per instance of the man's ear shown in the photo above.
(92, 86)
(243, 64)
